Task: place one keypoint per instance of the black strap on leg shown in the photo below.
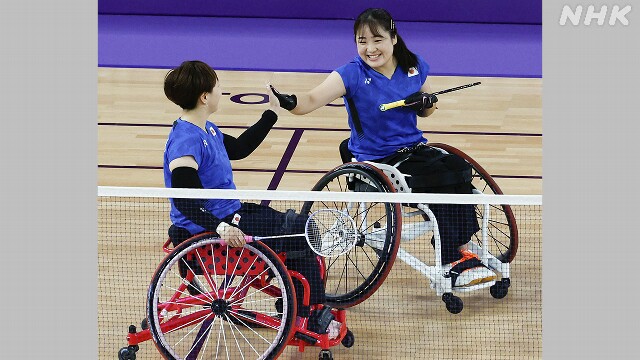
(294, 223)
(439, 179)
(436, 169)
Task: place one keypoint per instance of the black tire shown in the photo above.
(354, 276)
(181, 323)
(500, 289)
(325, 355)
(349, 339)
(126, 353)
(453, 303)
(278, 305)
(502, 230)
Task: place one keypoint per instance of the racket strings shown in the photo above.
(331, 233)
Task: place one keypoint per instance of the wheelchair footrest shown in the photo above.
(304, 337)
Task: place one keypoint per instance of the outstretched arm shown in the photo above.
(329, 90)
(250, 139)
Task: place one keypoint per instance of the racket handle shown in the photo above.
(247, 238)
(391, 105)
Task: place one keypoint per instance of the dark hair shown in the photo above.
(376, 19)
(184, 84)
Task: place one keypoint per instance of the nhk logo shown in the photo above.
(616, 14)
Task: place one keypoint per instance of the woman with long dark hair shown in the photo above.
(384, 71)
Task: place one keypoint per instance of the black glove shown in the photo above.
(420, 101)
(287, 101)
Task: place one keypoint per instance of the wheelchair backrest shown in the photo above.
(219, 259)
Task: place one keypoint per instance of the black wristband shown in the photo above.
(287, 102)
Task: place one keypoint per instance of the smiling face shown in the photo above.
(376, 48)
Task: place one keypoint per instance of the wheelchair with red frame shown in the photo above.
(208, 300)
(240, 303)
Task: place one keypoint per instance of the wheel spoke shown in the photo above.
(205, 332)
(353, 276)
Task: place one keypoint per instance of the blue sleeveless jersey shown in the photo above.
(214, 167)
(380, 133)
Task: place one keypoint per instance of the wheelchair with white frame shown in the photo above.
(353, 277)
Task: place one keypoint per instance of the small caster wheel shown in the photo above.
(452, 302)
(127, 353)
(144, 324)
(500, 288)
(349, 339)
(325, 355)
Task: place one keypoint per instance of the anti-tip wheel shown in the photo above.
(500, 288)
(349, 339)
(453, 303)
(127, 353)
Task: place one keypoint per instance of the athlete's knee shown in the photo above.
(294, 223)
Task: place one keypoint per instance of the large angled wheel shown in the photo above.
(353, 277)
(502, 230)
(209, 301)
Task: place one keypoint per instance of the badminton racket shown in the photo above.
(328, 232)
(395, 104)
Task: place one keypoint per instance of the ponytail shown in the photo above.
(406, 59)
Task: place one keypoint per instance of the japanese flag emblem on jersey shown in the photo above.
(236, 219)
(213, 132)
(412, 72)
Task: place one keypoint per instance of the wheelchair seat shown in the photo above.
(397, 178)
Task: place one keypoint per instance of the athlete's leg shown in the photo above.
(261, 220)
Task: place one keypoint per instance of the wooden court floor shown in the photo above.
(498, 123)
